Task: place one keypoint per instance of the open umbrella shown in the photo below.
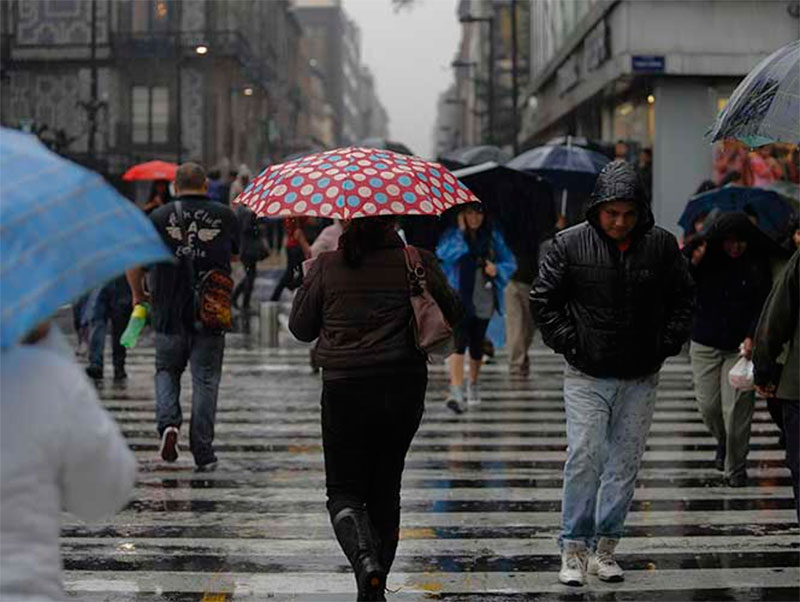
(473, 155)
(771, 209)
(570, 170)
(354, 182)
(765, 106)
(63, 231)
(521, 202)
(151, 170)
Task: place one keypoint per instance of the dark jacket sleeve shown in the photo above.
(777, 324)
(305, 321)
(446, 298)
(680, 301)
(549, 301)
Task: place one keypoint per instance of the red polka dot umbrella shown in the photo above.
(354, 182)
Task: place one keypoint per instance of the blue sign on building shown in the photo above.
(650, 63)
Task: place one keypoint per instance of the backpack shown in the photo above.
(211, 295)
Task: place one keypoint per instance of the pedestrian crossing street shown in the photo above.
(481, 500)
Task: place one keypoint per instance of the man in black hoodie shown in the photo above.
(614, 296)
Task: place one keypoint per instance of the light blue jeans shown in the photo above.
(608, 420)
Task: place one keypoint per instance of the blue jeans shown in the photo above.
(608, 420)
(203, 351)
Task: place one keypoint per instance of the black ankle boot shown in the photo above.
(388, 549)
(357, 539)
(719, 457)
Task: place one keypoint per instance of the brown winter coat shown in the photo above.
(362, 316)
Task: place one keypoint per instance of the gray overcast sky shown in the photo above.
(409, 53)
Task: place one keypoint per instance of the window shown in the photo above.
(150, 15)
(150, 114)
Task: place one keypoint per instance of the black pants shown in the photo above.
(791, 425)
(245, 286)
(294, 257)
(471, 334)
(367, 428)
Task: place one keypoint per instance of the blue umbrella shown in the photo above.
(63, 231)
(765, 106)
(771, 209)
(571, 170)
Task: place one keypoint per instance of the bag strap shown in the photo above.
(416, 270)
(188, 262)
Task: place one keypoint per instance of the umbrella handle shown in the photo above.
(564, 194)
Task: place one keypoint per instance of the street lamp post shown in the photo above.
(514, 80)
(490, 20)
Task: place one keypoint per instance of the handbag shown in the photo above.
(211, 295)
(433, 334)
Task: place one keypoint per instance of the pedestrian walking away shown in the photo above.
(479, 265)
(205, 239)
(60, 450)
(777, 370)
(254, 248)
(614, 296)
(356, 301)
(732, 273)
(111, 303)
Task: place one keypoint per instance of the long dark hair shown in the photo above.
(362, 235)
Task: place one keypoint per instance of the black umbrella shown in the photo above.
(473, 155)
(522, 203)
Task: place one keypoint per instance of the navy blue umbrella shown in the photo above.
(772, 210)
(570, 170)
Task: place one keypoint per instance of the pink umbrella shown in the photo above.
(354, 182)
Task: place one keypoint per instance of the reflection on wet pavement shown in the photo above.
(480, 508)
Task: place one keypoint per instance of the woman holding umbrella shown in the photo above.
(356, 302)
(478, 264)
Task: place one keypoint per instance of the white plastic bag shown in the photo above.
(741, 375)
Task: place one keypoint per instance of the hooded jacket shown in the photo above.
(614, 313)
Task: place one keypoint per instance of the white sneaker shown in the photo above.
(473, 394)
(602, 562)
(169, 444)
(573, 564)
(455, 399)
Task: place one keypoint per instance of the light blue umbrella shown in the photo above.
(63, 231)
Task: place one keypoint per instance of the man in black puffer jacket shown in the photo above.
(614, 296)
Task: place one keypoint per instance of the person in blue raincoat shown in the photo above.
(478, 264)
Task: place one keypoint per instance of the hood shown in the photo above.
(618, 181)
(244, 172)
(739, 225)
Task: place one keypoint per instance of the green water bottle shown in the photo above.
(135, 324)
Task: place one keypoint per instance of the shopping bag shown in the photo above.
(741, 375)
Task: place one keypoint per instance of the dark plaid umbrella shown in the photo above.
(765, 107)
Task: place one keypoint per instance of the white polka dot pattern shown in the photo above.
(355, 182)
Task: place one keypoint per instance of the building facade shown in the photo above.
(112, 83)
(652, 73)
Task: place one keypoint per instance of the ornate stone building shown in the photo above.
(168, 79)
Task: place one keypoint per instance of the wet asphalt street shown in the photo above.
(481, 500)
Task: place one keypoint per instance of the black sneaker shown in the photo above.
(94, 372)
(120, 374)
(719, 458)
(207, 467)
(738, 479)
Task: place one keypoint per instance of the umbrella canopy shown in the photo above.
(560, 158)
(152, 170)
(521, 202)
(789, 191)
(765, 107)
(738, 224)
(475, 155)
(772, 210)
(384, 144)
(570, 170)
(63, 231)
(354, 182)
